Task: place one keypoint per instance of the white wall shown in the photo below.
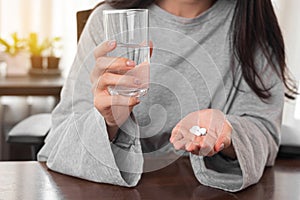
(289, 19)
(289, 15)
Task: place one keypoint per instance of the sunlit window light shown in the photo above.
(297, 108)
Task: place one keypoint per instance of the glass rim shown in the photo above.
(121, 11)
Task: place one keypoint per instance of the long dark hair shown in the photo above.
(254, 26)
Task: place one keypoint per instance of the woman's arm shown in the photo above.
(255, 137)
(78, 143)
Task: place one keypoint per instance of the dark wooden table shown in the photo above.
(32, 180)
(47, 85)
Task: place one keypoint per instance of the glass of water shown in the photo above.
(129, 27)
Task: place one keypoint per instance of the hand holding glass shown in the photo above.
(129, 28)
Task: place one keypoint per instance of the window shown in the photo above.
(287, 12)
(46, 17)
(297, 108)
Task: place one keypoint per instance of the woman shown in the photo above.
(218, 64)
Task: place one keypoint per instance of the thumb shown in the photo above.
(105, 47)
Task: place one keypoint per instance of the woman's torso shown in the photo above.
(190, 70)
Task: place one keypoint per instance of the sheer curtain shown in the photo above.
(48, 18)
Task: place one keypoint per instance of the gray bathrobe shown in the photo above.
(190, 70)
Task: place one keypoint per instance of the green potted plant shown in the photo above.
(36, 50)
(15, 55)
(53, 58)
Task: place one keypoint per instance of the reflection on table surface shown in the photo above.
(32, 180)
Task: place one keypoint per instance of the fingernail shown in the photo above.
(137, 82)
(130, 63)
(222, 147)
(112, 43)
(138, 100)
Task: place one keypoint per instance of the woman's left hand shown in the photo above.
(217, 138)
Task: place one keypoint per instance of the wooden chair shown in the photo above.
(82, 17)
(33, 130)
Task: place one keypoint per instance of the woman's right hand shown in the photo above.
(111, 71)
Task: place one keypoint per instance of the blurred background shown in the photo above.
(288, 15)
(47, 19)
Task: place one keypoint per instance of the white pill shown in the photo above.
(196, 130)
(203, 131)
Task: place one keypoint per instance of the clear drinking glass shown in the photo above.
(129, 27)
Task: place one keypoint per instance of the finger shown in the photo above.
(105, 47)
(175, 132)
(196, 151)
(120, 100)
(103, 102)
(209, 138)
(111, 64)
(206, 150)
(180, 144)
(181, 132)
(110, 79)
(188, 135)
(224, 139)
(182, 139)
(208, 143)
(176, 137)
(211, 153)
(117, 65)
(192, 147)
